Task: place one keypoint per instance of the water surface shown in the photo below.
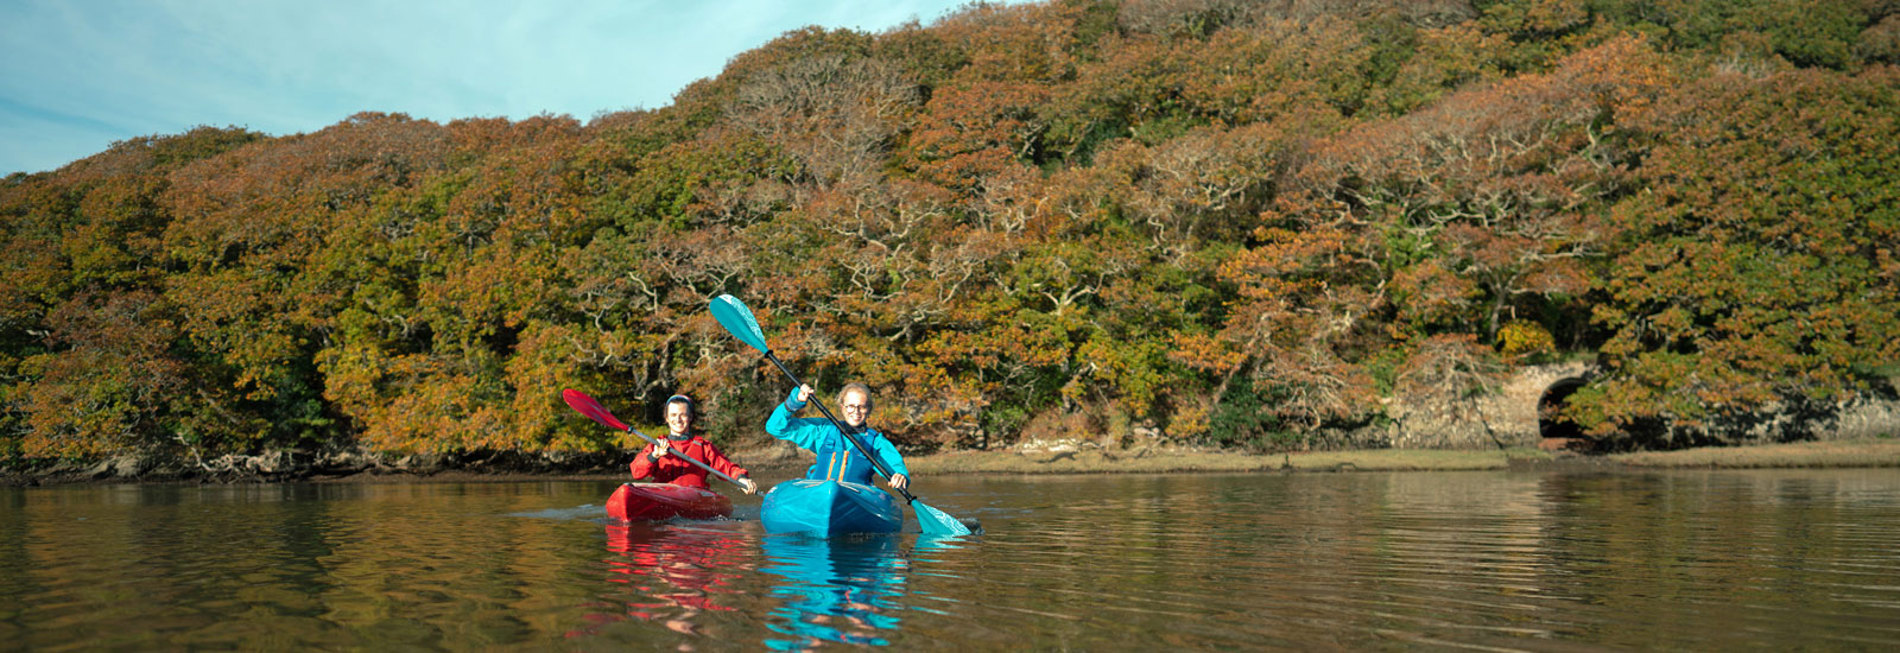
(1508, 560)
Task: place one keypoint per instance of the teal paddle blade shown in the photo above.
(737, 319)
(938, 522)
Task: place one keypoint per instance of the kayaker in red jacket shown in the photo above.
(653, 460)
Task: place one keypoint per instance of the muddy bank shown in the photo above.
(285, 466)
(359, 466)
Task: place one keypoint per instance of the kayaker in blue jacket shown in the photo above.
(837, 459)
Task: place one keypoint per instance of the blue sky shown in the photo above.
(78, 75)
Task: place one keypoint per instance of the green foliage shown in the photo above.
(923, 56)
(199, 143)
(1804, 32)
(1245, 418)
(1097, 20)
(1807, 33)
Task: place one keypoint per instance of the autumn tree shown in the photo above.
(93, 362)
(1757, 267)
(1484, 202)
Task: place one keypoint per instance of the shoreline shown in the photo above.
(1860, 453)
(1863, 453)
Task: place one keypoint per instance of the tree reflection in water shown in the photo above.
(678, 572)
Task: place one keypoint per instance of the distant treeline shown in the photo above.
(1212, 221)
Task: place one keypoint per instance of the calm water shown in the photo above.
(1539, 561)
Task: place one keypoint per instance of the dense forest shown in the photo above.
(1208, 221)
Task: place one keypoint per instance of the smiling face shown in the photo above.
(856, 406)
(679, 417)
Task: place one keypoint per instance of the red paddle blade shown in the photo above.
(586, 405)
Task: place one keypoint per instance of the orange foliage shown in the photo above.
(1206, 218)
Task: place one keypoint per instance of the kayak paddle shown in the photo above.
(592, 409)
(737, 319)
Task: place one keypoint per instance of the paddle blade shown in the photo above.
(737, 319)
(586, 405)
(937, 522)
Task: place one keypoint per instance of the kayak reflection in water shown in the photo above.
(841, 590)
(681, 438)
(678, 572)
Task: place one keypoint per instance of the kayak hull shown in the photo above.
(658, 501)
(824, 508)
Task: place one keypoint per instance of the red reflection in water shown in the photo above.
(677, 573)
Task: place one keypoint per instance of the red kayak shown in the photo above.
(656, 501)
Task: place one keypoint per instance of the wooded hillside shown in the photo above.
(1234, 222)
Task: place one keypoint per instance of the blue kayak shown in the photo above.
(826, 508)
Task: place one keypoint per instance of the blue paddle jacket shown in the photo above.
(837, 459)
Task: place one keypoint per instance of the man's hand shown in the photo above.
(660, 449)
(899, 481)
(748, 485)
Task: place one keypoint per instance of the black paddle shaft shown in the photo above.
(841, 428)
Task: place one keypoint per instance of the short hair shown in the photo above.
(860, 389)
(686, 401)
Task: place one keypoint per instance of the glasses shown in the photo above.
(856, 407)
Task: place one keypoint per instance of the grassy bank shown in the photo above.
(1849, 453)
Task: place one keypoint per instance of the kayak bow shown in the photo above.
(823, 508)
(657, 501)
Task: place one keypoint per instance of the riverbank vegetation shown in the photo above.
(1197, 222)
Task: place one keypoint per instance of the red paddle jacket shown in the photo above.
(669, 469)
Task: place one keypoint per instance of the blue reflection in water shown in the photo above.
(839, 590)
